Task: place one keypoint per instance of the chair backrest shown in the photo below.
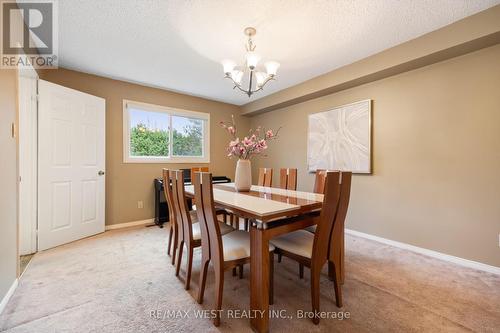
(331, 221)
(167, 190)
(265, 177)
(319, 181)
(338, 228)
(288, 179)
(211, 239)
(183, 218)
(197, 169)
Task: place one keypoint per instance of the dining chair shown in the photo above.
(224, 251)
(221, 212)
(189, 233)
(319, 187)
(265, 177)
(173, 234)
(288, 179)
(197, 169)
(319, 181)
(314, 250)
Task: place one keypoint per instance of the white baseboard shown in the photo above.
(129, 224)
(8, 295)
(427, 252)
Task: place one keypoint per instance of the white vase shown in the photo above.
(243, 176)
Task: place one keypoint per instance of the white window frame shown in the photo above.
(171, 112)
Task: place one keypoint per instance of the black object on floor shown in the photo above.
(161, 207)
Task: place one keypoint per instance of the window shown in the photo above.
(157, 134)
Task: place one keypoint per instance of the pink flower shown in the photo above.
(253, 144)
(247, 142)
(234, 143)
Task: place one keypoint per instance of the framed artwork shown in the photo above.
(340, 138)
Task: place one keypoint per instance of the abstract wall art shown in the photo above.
(340, 138)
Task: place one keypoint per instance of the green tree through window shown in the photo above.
(187, 139)
(148, 142)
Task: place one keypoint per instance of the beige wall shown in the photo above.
(461, 37)
(8, 186)
(436, 155)
(128, 183)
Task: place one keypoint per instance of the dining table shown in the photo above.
(271, 212)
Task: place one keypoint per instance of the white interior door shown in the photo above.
(71, 164)
(28, 147)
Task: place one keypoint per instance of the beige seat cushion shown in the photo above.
(236, 245)
(224, 229)
(299, 242)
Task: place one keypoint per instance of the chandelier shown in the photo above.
(256, 79)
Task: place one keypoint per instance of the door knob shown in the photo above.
(100, 173)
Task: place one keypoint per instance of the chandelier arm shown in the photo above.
(236, 85)
(261, 87)
(269, 78)
(241, 89)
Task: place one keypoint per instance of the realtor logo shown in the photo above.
(29, 34)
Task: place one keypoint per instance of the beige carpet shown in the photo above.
(112, 282)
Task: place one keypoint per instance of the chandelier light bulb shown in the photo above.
(252, 60)
(237, 75)
(272, 67)
(228, 66)
(261, 78)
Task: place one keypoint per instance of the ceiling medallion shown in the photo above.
(256, 79)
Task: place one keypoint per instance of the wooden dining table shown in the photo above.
(271, 212)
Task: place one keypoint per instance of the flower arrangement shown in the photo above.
(254, 143)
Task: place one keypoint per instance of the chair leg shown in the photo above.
(301, 271)
(342, 257)
(176, 245)
(315, 274)
(225, 218)
(179, 258)
(203, 278)
(234, 271)
(241, 271)
(246, 224)
(279, 257)
(170, 234)
(271, 278)
(336, 283)
(219, 288)
(189, 266)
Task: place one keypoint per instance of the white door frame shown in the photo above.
(28, 160)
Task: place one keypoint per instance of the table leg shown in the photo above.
(259, 279)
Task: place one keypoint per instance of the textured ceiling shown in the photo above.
(178, 45)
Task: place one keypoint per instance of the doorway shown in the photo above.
(28, 165)
(61, 165)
